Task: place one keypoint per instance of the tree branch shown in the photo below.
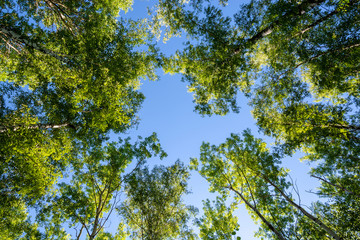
(296, 11)
(29, 43)
(335, 185)
(35, 126)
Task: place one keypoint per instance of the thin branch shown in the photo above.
(276, 223)
(29, 43)
(83, 224)
(101, 210)
(59, 11)
(111, 210)
(79, 235)
(296, 189)
(296, 11)
(335, 185)
(342, 48)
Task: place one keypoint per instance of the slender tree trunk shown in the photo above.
(270, 226)
(307, 214)
(96, 221)
(35, 126)
(80, 232)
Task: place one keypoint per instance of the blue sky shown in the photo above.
(168, 111)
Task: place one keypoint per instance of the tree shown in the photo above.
(246, 168)
(154, 209)
(218, 222)
(31, 162)
(96, 90)
(70, 73)
(86, 200)
(91, 84)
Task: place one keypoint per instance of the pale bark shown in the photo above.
(306, 213)
(270, 226)
(35, 126)
(60, 11)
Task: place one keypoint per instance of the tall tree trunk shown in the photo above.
(35, 126)
(270, 226)
(97, 216)
(307, 214)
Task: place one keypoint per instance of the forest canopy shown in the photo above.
(70, 80)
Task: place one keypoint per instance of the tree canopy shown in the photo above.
(70, 77)
(154, 207)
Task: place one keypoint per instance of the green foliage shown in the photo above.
(70, 73)
(88, 77)
(246, 171)
(226, 55)
(218, 222)
(154, 208)
(87, 199)
(298, 64)
(208, 66)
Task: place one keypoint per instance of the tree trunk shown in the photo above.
(35, 126)
(270, 226)
(96, 221)
(307, 214)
